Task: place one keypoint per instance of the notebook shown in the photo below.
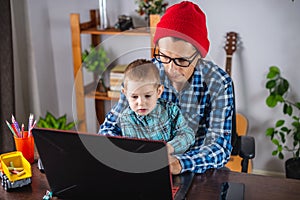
(83, 165)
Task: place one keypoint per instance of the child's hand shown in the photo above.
(170, 149)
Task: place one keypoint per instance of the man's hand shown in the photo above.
(170, 149)
(175, 166)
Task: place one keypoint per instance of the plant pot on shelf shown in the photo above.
(292, 168)
(101, 88)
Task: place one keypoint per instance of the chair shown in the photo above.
(243, 146)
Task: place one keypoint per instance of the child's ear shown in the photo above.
(123, 91)
(160, 90)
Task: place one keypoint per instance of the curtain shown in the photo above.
(7, 98)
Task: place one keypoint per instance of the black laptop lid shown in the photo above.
(81, 165)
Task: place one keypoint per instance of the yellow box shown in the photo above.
(18, 160)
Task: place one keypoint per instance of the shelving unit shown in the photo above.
(83, 91)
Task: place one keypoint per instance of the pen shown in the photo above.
(16, 125)
(15, 130)
(22, 131)
(29, 131)
(30, 121)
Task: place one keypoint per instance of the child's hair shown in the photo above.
(141, 70)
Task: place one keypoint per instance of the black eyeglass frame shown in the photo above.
(189, 60)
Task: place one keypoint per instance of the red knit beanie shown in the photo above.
(185, 21)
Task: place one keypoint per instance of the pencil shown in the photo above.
(11, 129)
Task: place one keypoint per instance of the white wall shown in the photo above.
(268, 31)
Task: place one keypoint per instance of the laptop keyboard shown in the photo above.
(174, 190)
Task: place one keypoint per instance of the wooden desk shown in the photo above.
(205, 186)
(257, 187)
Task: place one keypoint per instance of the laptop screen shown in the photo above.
(80, 165)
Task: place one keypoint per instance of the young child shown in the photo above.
(148, 116)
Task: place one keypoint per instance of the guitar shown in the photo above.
(230, 48)
(241, 121)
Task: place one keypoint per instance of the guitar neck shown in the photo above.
(228, 64)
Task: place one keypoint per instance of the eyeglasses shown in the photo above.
(181, 62)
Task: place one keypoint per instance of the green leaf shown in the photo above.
(298, 105)
(70, 125)
(270, 132)
(42, 123)
(271, 101)
(270, 84)
(297, 137)
(279, 98)
(296, 118)
(276, 142)
(295, 143)
(282, 137)
(279, 148)
(296, 124)
(274, 153)
(280, 155)
(54, 123)
(283, 86)
(284, 129)
(273, 72)
(62, 122)
(289, 110)
(49, 117)
(279, 123)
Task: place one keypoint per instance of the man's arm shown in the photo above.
(215, 150)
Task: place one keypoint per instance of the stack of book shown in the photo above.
(115, 80)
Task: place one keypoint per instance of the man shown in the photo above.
(201, 89)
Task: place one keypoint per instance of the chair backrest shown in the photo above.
(239, 128)
(241, 124)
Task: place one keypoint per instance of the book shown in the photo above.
(113, 94)
(116, 77)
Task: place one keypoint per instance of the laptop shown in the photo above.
(83, 165)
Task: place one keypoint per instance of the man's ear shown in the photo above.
(160, 90)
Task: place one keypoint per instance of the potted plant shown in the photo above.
(284, 135)
(49, 121)
(151, 7)
(95, 60)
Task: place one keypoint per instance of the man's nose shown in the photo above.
(172, 66)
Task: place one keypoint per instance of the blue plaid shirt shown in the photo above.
(207, 104)
(165, 123)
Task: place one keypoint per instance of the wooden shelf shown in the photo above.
(83, 91)
(100, 96)
(90, 92)
(142, 31)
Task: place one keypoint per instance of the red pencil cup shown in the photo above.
(26, 146)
